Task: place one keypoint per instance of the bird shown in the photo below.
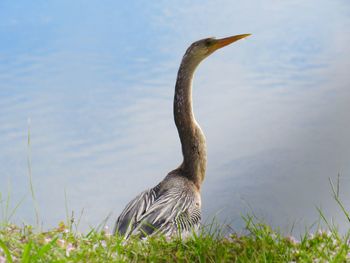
(173, 207)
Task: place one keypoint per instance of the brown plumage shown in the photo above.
(174, 205)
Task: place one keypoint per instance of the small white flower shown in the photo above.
(293, 240)
(334, 242)
(103, 243)
(2, 259)
(61, 242)
(47, 240)
(69, 248)
(107, 232)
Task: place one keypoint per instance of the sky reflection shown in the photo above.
(97, 83)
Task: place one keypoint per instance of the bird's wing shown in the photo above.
(174, 211)
(134, 211)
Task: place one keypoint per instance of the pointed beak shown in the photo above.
(219, 43)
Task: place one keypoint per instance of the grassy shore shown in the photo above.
(259, 244)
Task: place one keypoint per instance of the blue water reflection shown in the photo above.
(96, 81)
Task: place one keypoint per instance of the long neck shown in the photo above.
(191, 136)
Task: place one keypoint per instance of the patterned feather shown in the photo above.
(162, 209)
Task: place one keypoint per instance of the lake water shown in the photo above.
(94, 83)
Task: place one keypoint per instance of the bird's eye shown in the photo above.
(208, 42)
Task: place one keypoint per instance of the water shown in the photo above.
(96, 82)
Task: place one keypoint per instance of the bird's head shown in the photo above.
(201, 49)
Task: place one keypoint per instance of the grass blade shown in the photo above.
(6, 251)
(26, 252)
(15, 208)
(337, 198)
(42, 251)
(29, 165)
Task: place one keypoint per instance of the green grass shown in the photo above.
(259, 244)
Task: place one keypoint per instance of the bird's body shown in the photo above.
(174, 205)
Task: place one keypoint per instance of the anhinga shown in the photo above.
(174, 205)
